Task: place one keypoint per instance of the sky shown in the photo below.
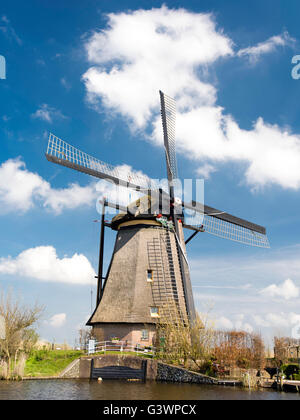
(90, 73)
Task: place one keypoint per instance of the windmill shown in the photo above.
(148, 276)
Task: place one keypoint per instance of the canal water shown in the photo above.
(81, 389)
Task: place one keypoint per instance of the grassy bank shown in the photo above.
(49, 362)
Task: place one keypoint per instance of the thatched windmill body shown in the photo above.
(148, 277)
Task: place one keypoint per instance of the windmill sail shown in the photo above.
(225, 225)
(168, 115)
(58, 151)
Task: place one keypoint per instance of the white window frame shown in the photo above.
(154, 314)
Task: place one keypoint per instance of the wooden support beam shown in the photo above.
(101, 252)
(191, 237)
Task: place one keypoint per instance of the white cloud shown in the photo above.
(206, 170)
(266, 47)
(236, 324)
(18, 186)
(224, 323)
(21, 189)
(171, 44)
(58, 320)
(287, 290)
(260, 321)
(268, 151)
(175, 49)
(247, 327)
(47, 113)
(277, 320)
(239, 321)
(240, 324)
(42, 263)
(70, 198)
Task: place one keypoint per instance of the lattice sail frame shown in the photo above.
(60, 150)
(168, 114)
(228, 230)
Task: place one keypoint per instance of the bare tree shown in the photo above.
(84, 335)
(18, 319)
(258, 351)
(239, 349)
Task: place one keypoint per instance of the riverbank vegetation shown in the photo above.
(238, 355)
(202, 348)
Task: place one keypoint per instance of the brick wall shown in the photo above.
(129, 332)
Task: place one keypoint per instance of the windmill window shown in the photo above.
(149, 275)
(154, 311)
(145, 335)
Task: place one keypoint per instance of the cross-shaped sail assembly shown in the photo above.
(213, 221)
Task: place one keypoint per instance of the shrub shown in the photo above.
(289, 370)
(207, 368)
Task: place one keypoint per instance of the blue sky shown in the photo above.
(90, 73)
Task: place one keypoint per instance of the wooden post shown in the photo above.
(92, 368)
(101, 251)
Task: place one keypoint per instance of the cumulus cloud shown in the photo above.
(47, 113)
(247, 327)
(224, 323)
(175, 49)
(206, 170)
(277, 320)
(286, 290)
(172, 43)
(58, 320)
(21, 190)
(70, 198)
(18, 186)
(236, 324)
(255, 52)
(42, 263)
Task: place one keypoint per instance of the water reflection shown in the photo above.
(80, 389)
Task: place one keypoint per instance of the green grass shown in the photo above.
(49, 362)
